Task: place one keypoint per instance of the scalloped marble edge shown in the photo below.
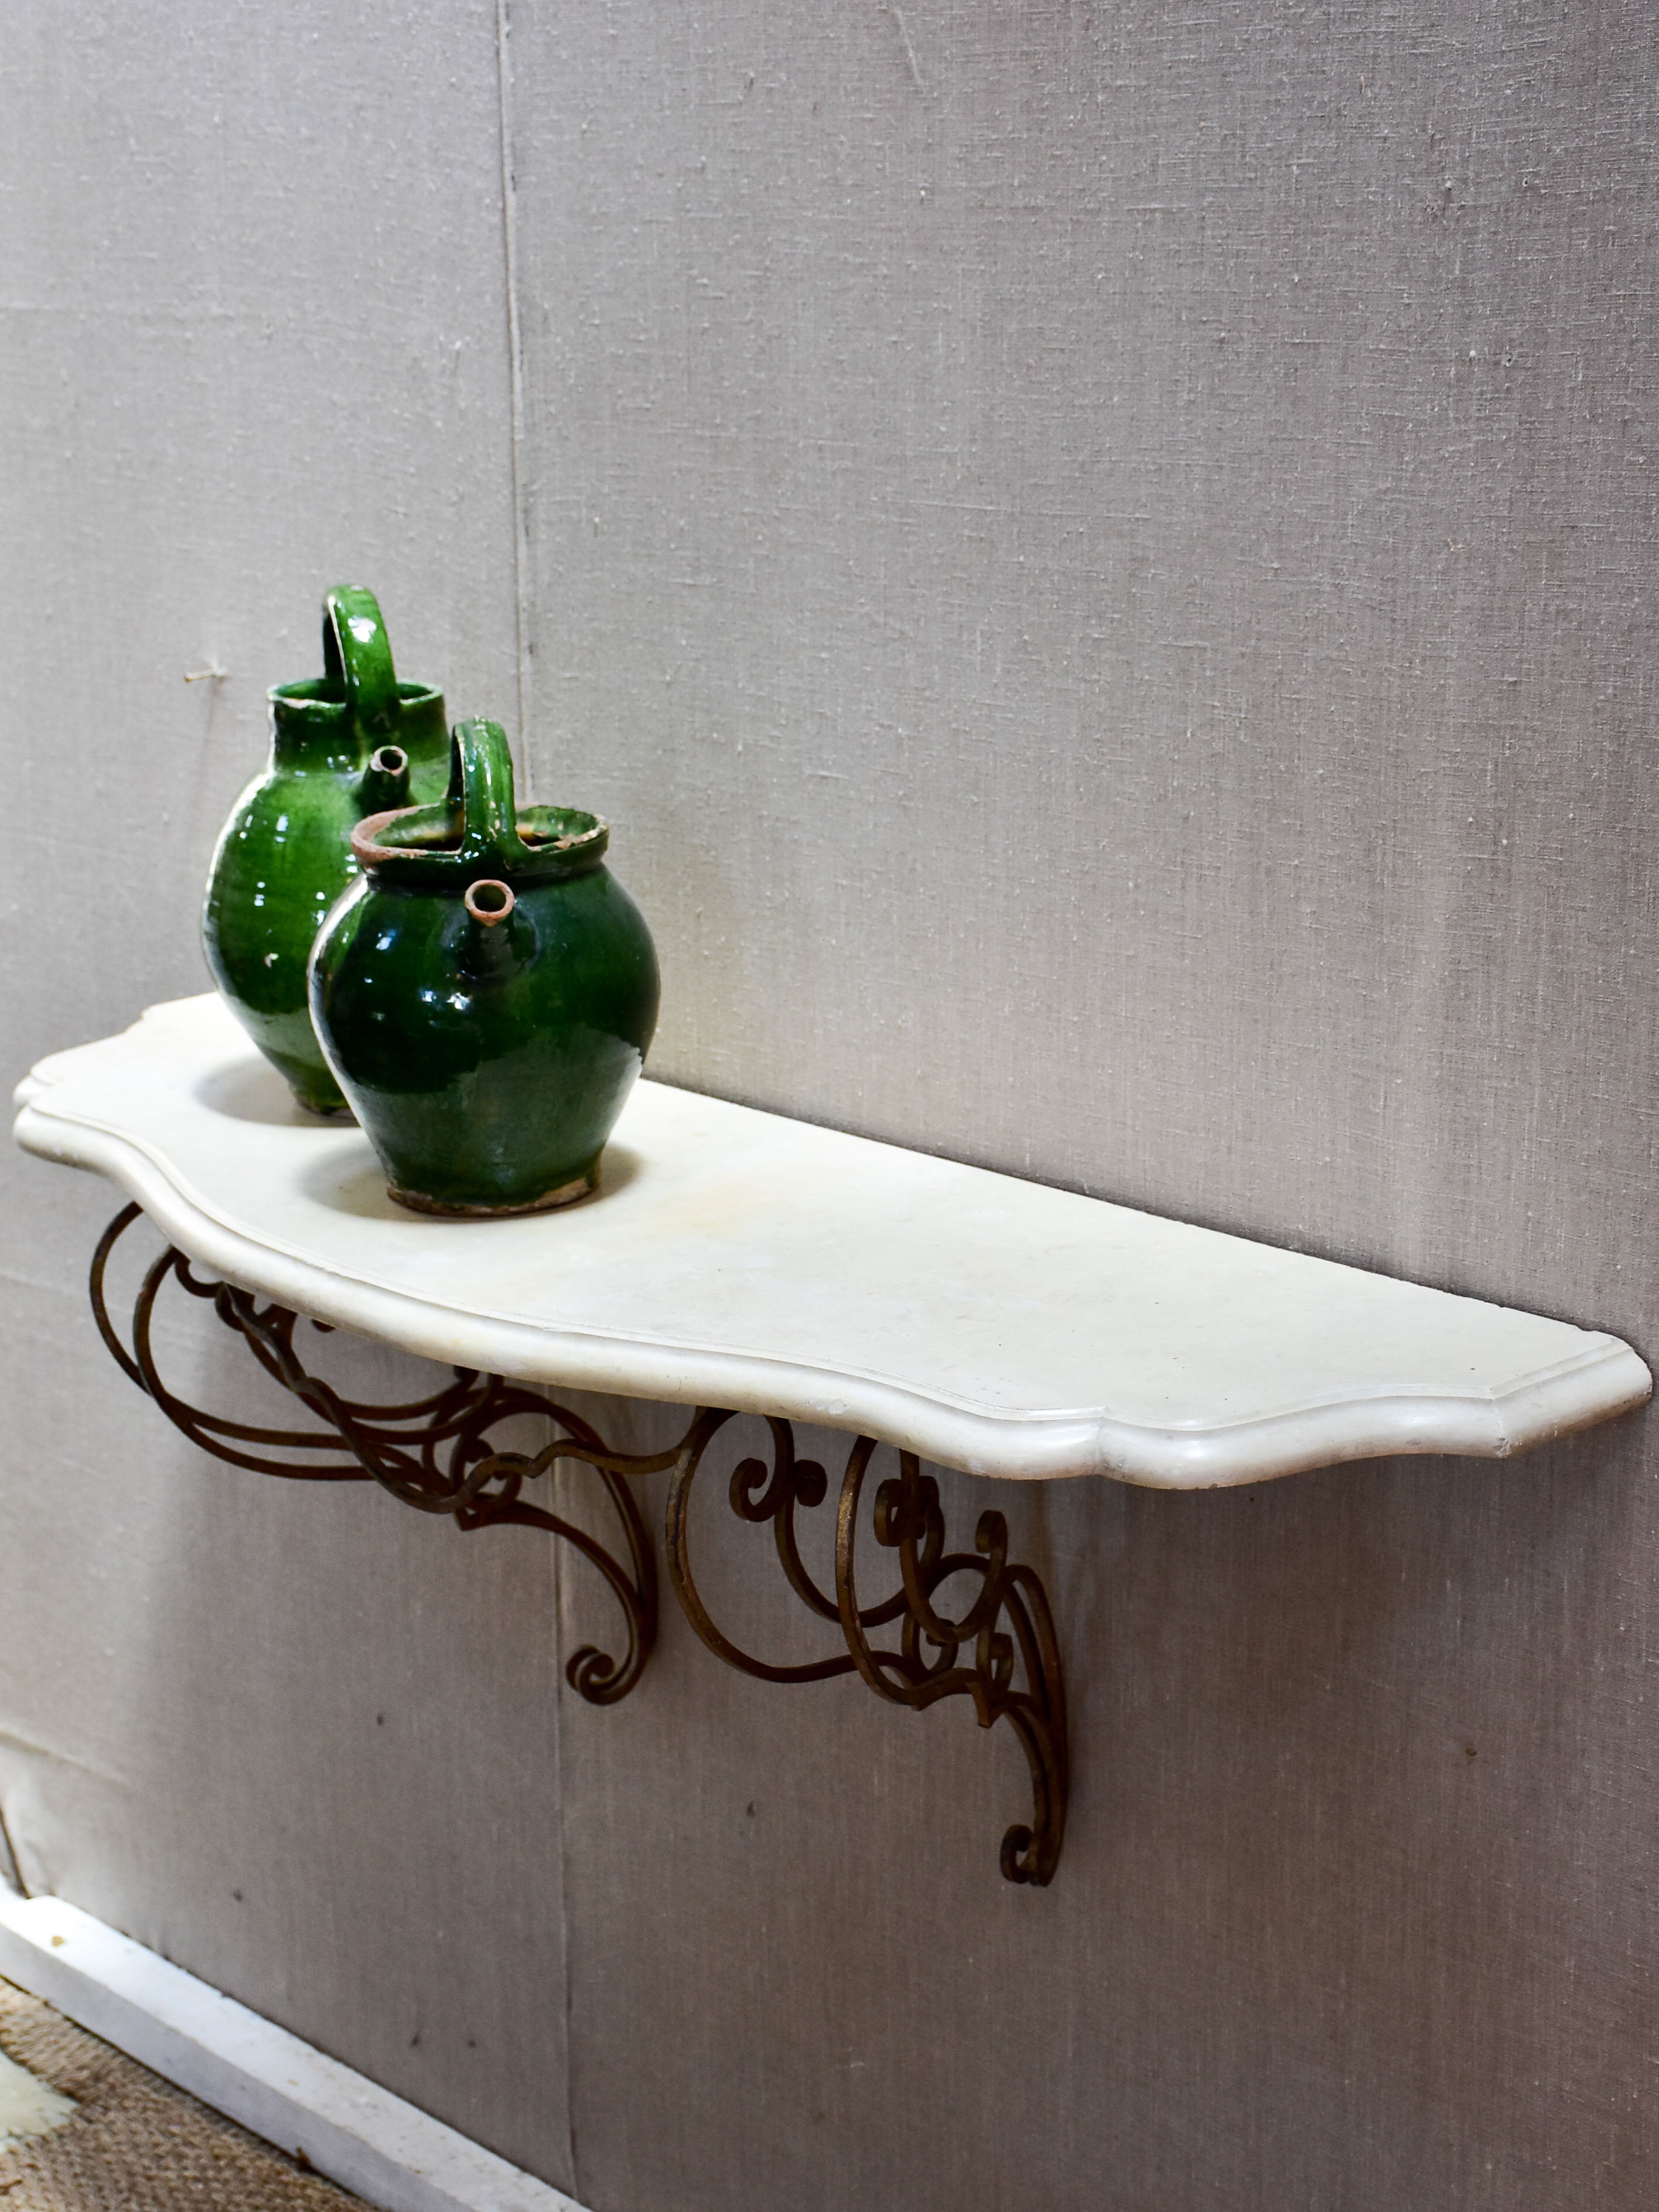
(1606, 1379)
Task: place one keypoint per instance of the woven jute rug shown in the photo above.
(134, 2144)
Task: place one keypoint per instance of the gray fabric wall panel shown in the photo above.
(1098, 560)
(1346, 1915)
(254, 311)
(1107, 589)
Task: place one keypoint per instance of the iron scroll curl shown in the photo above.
(1014, 1672)
(433, 1453)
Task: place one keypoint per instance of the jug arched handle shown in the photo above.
(357, 654)
(481, 792)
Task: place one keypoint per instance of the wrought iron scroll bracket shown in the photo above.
(1000, 1652)
(436, 1453)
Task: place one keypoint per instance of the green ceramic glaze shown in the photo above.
(486, 993)
(353, 742)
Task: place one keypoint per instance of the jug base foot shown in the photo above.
(567, 1193)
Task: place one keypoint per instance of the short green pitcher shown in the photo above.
(486, 993)
(353, 742)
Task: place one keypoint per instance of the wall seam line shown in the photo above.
(515, 376)
(11, 1867)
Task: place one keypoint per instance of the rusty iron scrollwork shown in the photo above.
(1007, 1623)
(436, 1453)
(433, 1453)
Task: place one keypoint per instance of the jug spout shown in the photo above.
(384, 786)
(489, 950)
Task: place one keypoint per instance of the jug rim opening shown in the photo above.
(428, 845)
(326, 695)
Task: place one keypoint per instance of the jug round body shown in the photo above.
(485, 995)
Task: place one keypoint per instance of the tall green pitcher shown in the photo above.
(351, 742)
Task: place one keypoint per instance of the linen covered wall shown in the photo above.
(1098, 560)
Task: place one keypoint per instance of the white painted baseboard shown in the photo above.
(384, 2151)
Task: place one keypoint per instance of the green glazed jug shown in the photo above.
(353, 742)
(485, 993)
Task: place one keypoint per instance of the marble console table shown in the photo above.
(737, 1261)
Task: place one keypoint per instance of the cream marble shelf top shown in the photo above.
(738, 1259)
